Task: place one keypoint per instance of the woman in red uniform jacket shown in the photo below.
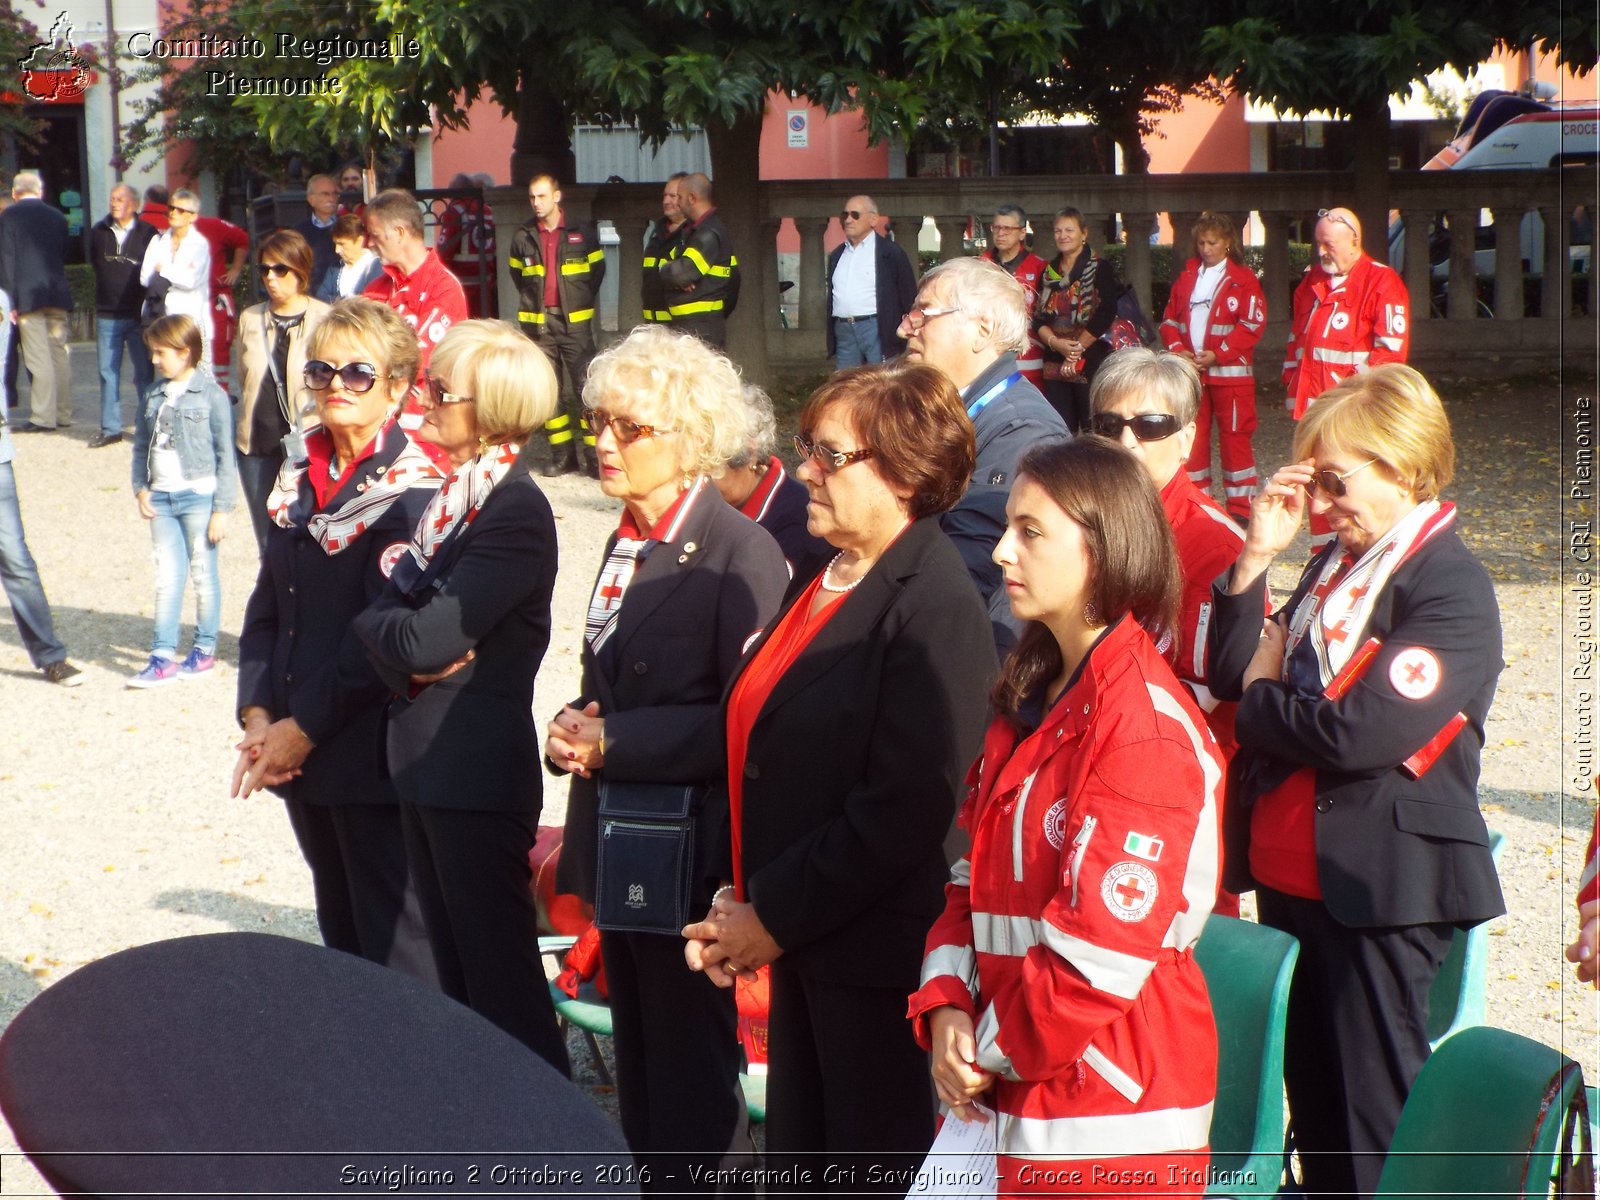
(1214, 319)
(1058, 987)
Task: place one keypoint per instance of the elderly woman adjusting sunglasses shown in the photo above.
(1148, 401)
(848, 729)
(685, 584)
(341, 511)
(458, 636)
(1362, 702)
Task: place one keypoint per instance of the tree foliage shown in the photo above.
(18, 37)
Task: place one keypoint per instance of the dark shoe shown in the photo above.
(563, 461)
(63, 673)
(30, 427)
(104, 440)
(591, 462)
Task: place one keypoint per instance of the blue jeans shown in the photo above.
(111, 335)
(182, 550)
(856, 343)
(20, 575)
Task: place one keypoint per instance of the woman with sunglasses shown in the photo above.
(848, 729)
(685, 584)
(458, 636)
(1059, 986)
(341, 511)
(1148, 401)
(1354, 810)
(269, 362)
(176, 272)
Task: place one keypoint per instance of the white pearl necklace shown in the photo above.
(827, 572)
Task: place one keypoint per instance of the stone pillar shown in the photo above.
(907, 229)
(1556, 291)
(1419, 282)
(1182, 239)
(1508, 264)
(630, 271)
(1094, 225)
(813, 277)
(769, 247)
(1276, 286)
(951, 232)
(1463, 300)
(1136, 264)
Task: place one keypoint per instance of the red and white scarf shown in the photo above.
(457, 503)
(340, 528)
(622, 560)
(1335, 611)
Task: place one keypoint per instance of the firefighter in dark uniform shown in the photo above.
(558, 267)
(666, 237)
(702, 275)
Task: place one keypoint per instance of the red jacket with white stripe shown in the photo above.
(1067, 931)
(1339, 331)
(1234, 322)
(1030, 274)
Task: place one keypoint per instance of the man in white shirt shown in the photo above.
(870, 287)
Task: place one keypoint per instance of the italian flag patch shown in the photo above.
(1142, 845)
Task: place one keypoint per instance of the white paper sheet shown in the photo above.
(961, 1163)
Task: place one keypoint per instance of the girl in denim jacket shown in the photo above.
(185, 480)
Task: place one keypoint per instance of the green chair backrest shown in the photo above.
(1483, 1120)
(1247, 969)
(1458, 998)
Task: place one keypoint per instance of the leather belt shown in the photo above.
(853, 320)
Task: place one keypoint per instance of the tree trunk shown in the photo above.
(736, 187)
(544, 143)
(1369, 127)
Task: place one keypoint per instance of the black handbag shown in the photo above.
(645, 865)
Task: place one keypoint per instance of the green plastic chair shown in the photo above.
(1485, 1119)
(1247, 969)
(591, 1014)
(1458, 999)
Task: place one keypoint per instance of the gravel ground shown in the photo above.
(118, 829)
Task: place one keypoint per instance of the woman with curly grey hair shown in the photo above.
(685, 585)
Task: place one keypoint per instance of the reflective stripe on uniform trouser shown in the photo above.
(569, 347)
(1234, 410)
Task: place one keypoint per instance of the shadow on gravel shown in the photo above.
(242, 913)
(18, 985)
(119, 642)
(1546, 808)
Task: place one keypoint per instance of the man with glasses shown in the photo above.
(870, 286)
(116, 252)
(322, 198)
(970, 320)
(33, 272)
(1008, 248)
(1350, 314)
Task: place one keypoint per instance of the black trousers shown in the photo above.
(710, 328)
(850, 1101)
(1357, 1037)
(569, 348)
(473, 881)
(676, 1039)
(366, 903)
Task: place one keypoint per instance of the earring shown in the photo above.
(1091, 615)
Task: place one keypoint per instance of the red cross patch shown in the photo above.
(1415, 673)
(391, 555)
(1129, 890)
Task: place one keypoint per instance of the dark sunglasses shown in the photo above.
(1147, 427)
(438, 395)
(357, 377)
(828, 460)
(849, 214)
(276, 270)
(188, 212)
(626, 432)
(1331, 482)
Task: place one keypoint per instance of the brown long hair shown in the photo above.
(1133, 562)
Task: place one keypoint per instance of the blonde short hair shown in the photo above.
(1390, 413)
(376, 328)
(678, 382)
(508, 377)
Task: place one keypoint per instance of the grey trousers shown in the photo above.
(43, 337)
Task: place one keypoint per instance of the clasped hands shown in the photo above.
(575, 739)
(731, 941)
(270, 754)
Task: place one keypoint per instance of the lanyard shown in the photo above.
(982, 402)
